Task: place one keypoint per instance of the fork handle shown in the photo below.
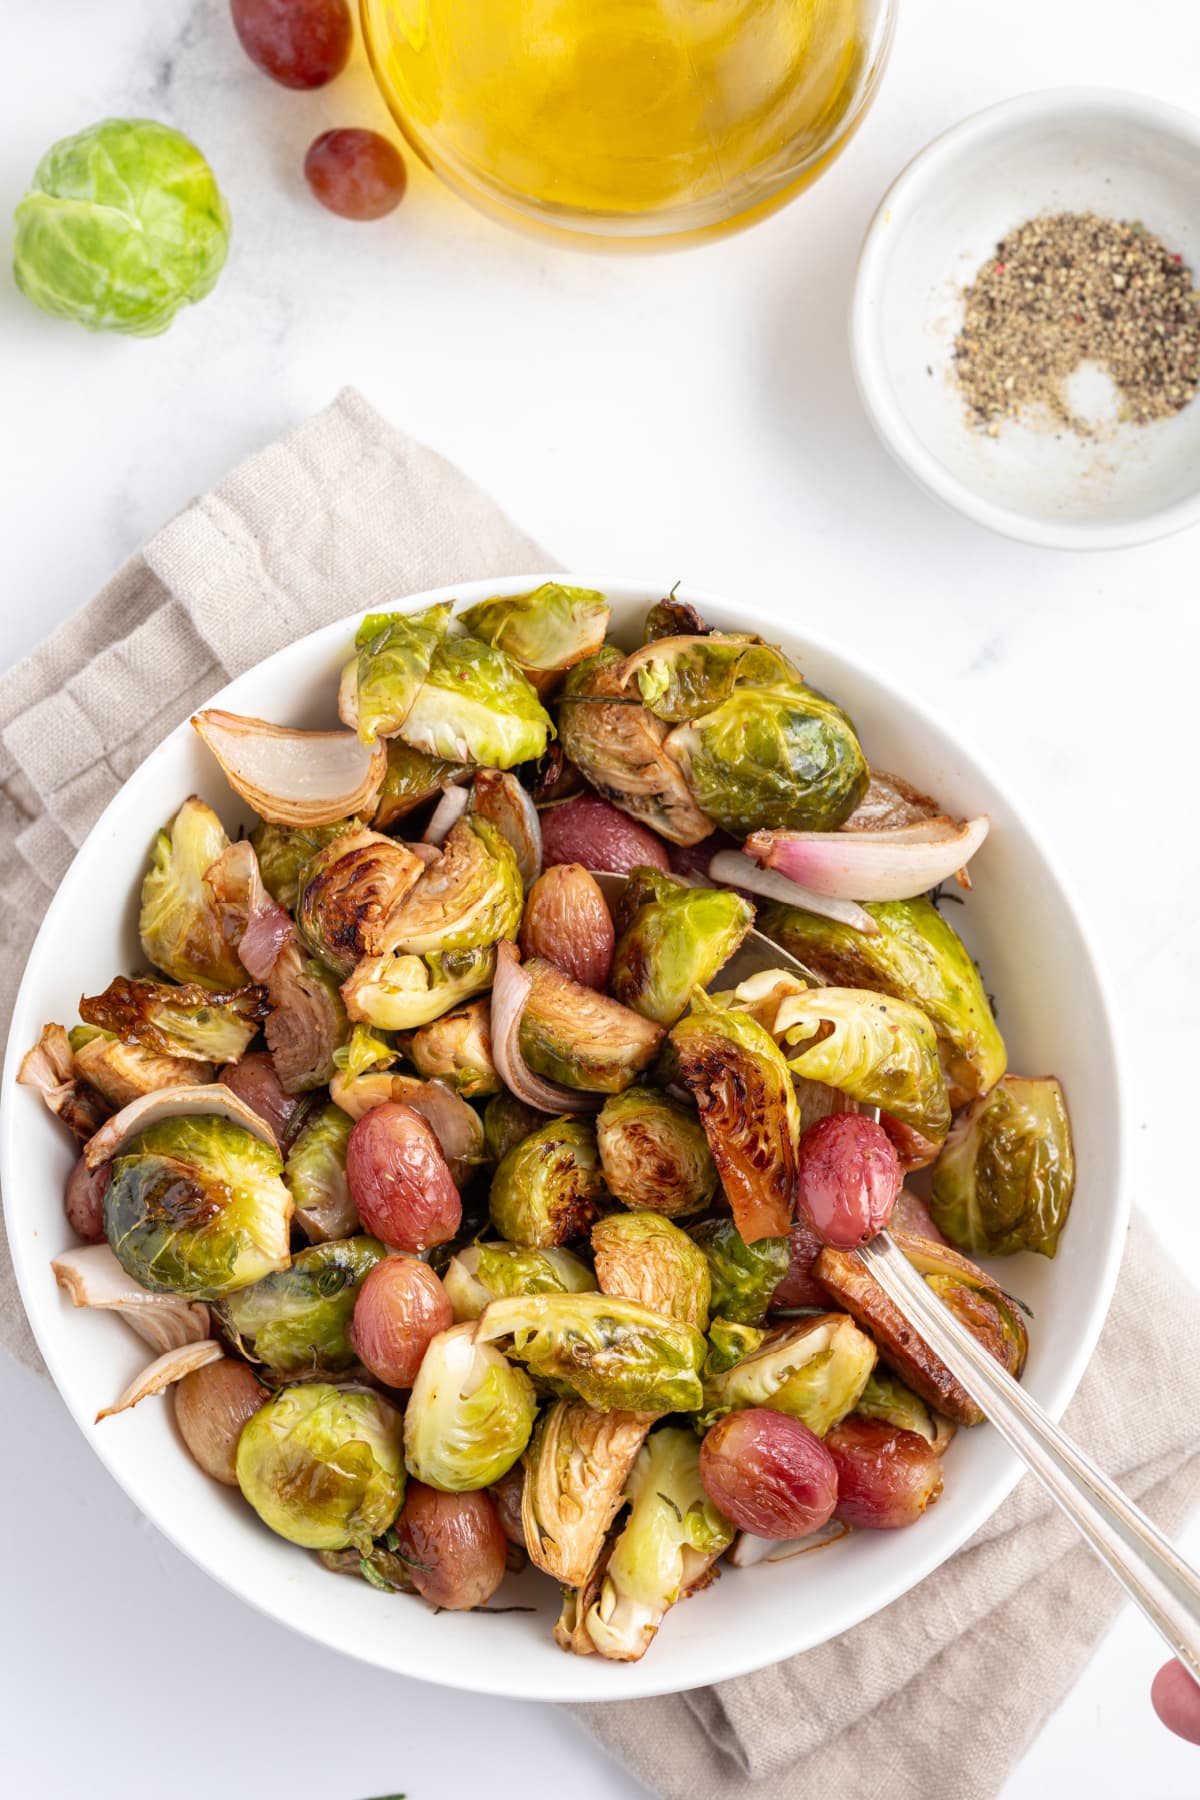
(1146, 1564)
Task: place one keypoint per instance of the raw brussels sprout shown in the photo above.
(485, 1272)
(472, 895)
(814, 1370)
(672, 939)
(197, 1206)
(506, 1120)
(307, 1022)
(315, 1171)
(886, 1397)
(296, 1319)
(189, 1021)
(124, 225)
(1006, 1175)
(398, 993)
(777, 758)
(576, 1467)
(394, 651)
(882, 1052)
(728, 1342)
(285, 851)
(457, 1049)
(572, 1034)
(681, 677)
(543, 632)
(743, 1089)
(616, 1354)
(667, 1546)
(469, 1414)
(642, 1256)
(179, 924)
(411, 779)
(743, 1276)
(654, 1153)
(916, 956)
(321, 1465)
(475, 706)
(348, 894)
(549, 1188)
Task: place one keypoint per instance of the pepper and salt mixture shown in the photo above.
(1070, 289)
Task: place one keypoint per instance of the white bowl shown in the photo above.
(1065, 150)
(1020, 922)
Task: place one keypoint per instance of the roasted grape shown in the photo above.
(800, 1286)
(886, 1477)
(769, 1474)
(399, 1179)
(299, 43)
(356, 174)
(453, 1544)
(400, 1307)
(568, 923)
(590, 831)
(849, 1177)
(83, 1201)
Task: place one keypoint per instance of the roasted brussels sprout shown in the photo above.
(399, 993)
(482, 1273)
(667, 1546)
(307, 1021)
(654, 1153)
(179, 924)
(576, 1467)
(644, 1257)
(815, 1370)
(475, 706)
(506, 1120)
(743, 1276)
(189, 1021)
(1006, 1175)
(615, 1354)
(411, 779)
(620, 748)
(743, 1089)
(549, 1188)
(978, 1304)
(728, 1342)
(781, 757)
(914, 956)
(315, 1172)
(469, 1414)
(457, 1049)
(321, 1465)
(673, 618)
(679, 678)
(394, 651)
(886, 1397)
(285, 851)
(571, 1034)
(472, 895)
(349, 892)
(543, 632)
(672, 939)
(296, 1319)
(881, 1051)
(197, 1206)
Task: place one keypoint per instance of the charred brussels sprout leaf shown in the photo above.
(576, 1466)
(296, 1319)
(475, 706)
(315, 1172)
(394, 651)
(179, 924)
(572, 1034)
(321, 1465)
(543, 632)
(882, 1052)
(616, 1354)
(470, 897)
(671, 940)
(642, 1256)
(654, 1153)
(549, 1188)
(482, 1273)
(285, 851)
(197, 1206)
(348, 893)
(189, 1021)
(411, 779)
(469, 1414)
(399, 993)
(1006, 1175)
(814, 1370)
(743, 1276)
(673, 618)
(506, 1120)
(457, 1049)
(679, 678)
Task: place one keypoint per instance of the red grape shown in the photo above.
(769, 1474)
(593, 832)
(356, 174)
(83, 1201)
(299, 43)
(399, 1308)
(399, 1180)
(886, 1477)
(849, 1179)
(913, 1216)
(800, 1286)
(255, 1081)
(454, 1545)
(507, 1495)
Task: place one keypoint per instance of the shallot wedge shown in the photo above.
(733, 869)
(500, 798)
(50, 1069)
(446, 814)
(159, 1375)
(172, 1103)
(510, 991)
(93, 1277)
(897, 863)
(294, 777)
(253, 924)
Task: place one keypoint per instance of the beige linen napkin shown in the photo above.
(940, 1694)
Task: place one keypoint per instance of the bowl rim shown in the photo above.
(993, 124)
(640, 1680)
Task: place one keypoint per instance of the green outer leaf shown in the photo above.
(321, 1465)
(296, 1318)
(475, 706)
(881, 1051)
(550, 628)
(394, 654)
(744, 1276)
(1006, 1176)
(616, 1354)
(674, 942)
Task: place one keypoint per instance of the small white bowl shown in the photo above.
(1122, 156)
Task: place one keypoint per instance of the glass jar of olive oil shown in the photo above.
(632, 120)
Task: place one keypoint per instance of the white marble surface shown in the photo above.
(689, 415)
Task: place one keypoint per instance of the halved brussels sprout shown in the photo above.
(179, 924)
(576, 1467)
(189, 1021)
(1006, 1174)
(296, 1319)
(349, 892)
(285, 851)
(482, 1273)
(673, 618)
(681, 677)
(399, 993)
(781, 757)
(571, 1034)
(197, 1206)
(120, 1072)
(411, 779)
(457, 1049)
(469, 1414)
(475, 706)
(743, 1089)
(642, 1256)
(364, 1050)
(506, 1120)
(672, 939)
(654, 1153)
(307, 1021)
(544, 632)
(978, 1304)
(667, 1546)
(394, 651)
(616, 1354)
(743, 1276)
(549, 1188)
(728, 1342)
(620, 748)
(914, 956)
(472, 895)
(886, 1397)
(315, 1171)
(881, 1051)
(814, 1370)
(321, 1465)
